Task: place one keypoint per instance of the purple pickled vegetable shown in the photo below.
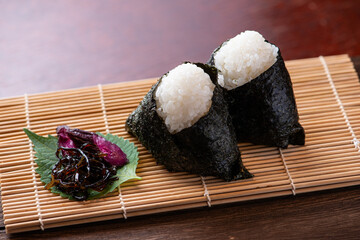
(86, 161)
(64, 139)
(114, 155)
(76, 138)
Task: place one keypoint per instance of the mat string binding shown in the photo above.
(355, 141)
(122, 203)
(32, 164)
(293, 187)
(206, 192)
(103, 108)
(108, 131)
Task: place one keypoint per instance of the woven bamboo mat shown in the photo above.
(328, 98)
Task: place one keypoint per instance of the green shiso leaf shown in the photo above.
(46, 147)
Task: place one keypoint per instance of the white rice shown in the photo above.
(184, 96)
(244, 58)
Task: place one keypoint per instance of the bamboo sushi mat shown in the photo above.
(327, 92)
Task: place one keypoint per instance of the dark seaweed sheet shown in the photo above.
(264, 110)
(207, 148)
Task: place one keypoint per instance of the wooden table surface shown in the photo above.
(54, 45)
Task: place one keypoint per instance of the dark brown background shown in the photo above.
(53, 45)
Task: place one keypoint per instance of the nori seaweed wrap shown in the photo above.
(208, 147)
(264, 110)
